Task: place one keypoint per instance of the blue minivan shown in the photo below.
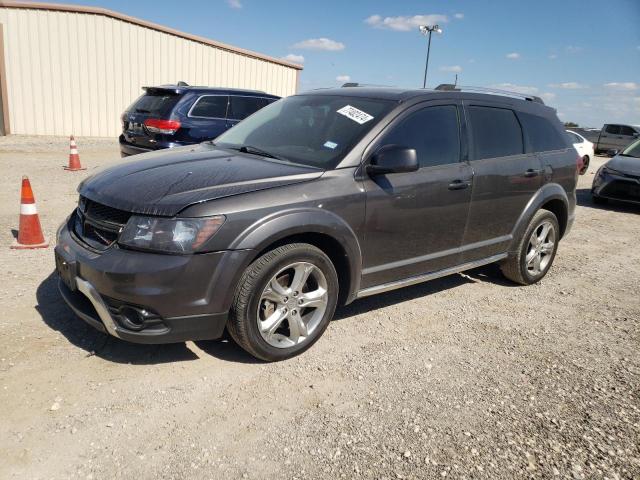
(175, 115)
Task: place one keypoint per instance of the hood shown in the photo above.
(167, 181)
(622, 164)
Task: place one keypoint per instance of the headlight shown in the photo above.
(173, 235)
(611, 171)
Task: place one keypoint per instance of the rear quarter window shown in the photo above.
(241, 107)
(542, 134)
(210, 106)
(573, 138)
(496, 132)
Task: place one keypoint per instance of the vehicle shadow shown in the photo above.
(487, 273)
(227, 350)
(584, 199)
(59, 317)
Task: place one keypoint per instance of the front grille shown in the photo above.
(98, 225)
(622, 190)
(103, 213)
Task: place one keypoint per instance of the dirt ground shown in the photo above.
(464, 377)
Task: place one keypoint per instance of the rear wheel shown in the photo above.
(284, 302)
(585, 165)
(536, 250)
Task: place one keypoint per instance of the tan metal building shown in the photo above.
(68, 69)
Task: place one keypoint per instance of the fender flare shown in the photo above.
(276, 227)
(548, 192)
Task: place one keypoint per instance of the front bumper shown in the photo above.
(616, 187)
(184, 297)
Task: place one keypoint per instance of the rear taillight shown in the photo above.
(156, 125)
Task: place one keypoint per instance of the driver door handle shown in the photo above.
(459, 185)
(532, 173)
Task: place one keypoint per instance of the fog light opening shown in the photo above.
(132, 318)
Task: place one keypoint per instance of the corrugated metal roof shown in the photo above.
(144, 23)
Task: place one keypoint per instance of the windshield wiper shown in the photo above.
(251, 150)
(142, 110)
(258, 151)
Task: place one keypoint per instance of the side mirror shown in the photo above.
(636, 135)
(393, 159)
(613, 152)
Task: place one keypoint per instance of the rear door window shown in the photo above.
(433, 132)
(542, 135)
(210, 106)
(496, 132)
(613, 129)
(624, 130)
(241, 107)
(156, 104)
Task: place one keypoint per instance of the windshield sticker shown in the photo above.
(354, 114)
(330, 145)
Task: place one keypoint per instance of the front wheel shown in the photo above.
(284, 302)
(536, 250)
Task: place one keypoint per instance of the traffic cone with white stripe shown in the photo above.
(74, 157)
(30, 232)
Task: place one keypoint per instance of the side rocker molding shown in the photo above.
(548, 192)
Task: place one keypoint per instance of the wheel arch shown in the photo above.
(550, 197)
(319, 228)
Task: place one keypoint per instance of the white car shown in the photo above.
(584, 148)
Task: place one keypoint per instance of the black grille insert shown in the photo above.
(98, 225)
(103, 213)
(622, 190)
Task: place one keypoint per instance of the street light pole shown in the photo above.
(426, 65)
(428, 30)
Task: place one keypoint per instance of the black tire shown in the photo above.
(599, 200)
(515, 267)
(585, 165)
(243, 321)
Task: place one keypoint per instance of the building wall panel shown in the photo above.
(76, 72)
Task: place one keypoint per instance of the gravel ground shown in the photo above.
(464, 377)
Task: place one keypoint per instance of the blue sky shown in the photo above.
(581, 56)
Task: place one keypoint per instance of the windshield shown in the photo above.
(632, 150)
(314, 130)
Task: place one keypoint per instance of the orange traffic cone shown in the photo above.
(74, 158)
(30, 232)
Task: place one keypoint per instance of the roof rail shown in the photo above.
(448, 87)
(356, 84)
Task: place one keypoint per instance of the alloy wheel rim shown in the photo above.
(292, 305)
(540, 249)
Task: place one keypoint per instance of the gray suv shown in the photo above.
(316, 200)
